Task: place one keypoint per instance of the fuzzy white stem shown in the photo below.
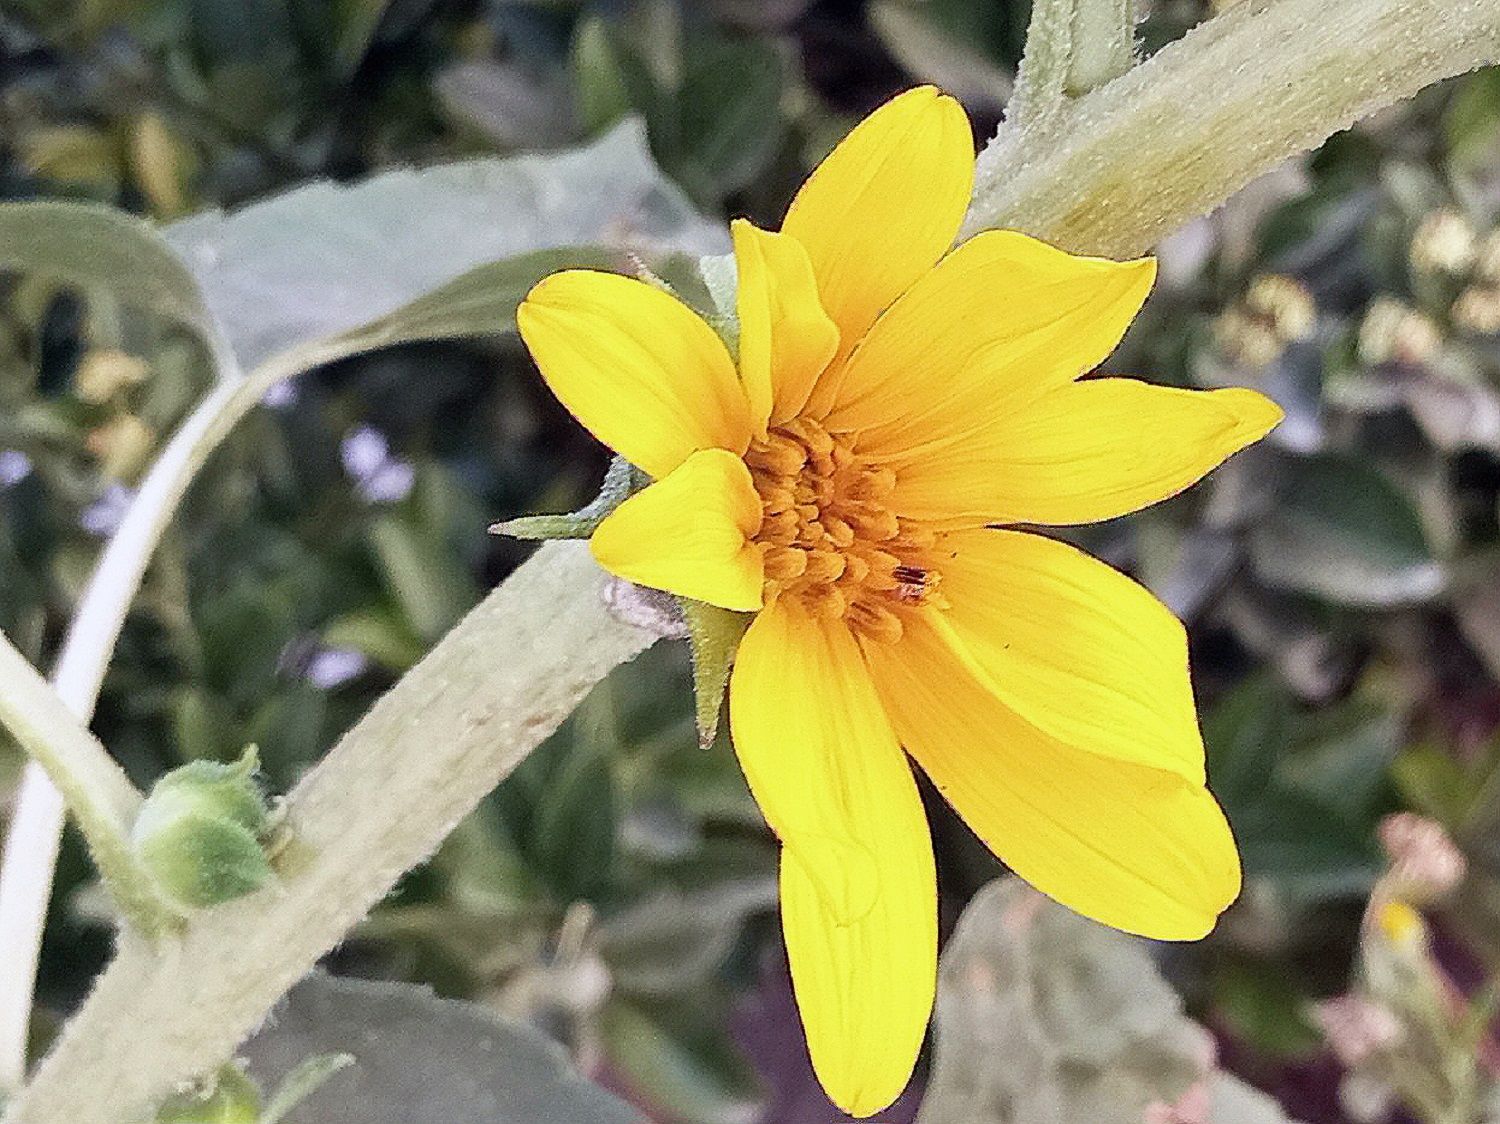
(1042, 78)
(95, 788)
(378, 804)
(1113, 171)
(31, 843)
(1103, 43)
(1072, 46)
(36, 823)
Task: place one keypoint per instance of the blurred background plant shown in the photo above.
(1342, 582)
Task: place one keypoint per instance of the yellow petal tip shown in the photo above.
(1257, 413)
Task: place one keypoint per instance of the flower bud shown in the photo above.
(1445, 242)
(1274, 312)
(106, 372)
(199, 832)
(1393, 332)
(1425, 862)
(1357, 1028)
(229, 1098)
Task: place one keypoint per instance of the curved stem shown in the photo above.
(1113, 171)
(31, 843)
(379, 803)
(96, 790)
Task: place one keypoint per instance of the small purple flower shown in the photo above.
(281, 396)
(364, 451)
(15, 466)
(333, 667)
(102, 517)
(378, 476)
(390, 483)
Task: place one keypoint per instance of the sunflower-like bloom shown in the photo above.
(851, 478)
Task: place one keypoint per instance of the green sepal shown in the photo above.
(721, 278)
(201, 832)
(302, 1083)
(620, 482)
(715, 636)
(231, 1098)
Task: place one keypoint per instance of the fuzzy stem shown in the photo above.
(36, 825)
(1113, 171)
(378, 804)
(1072, 46)
(96, 789)
(1103, 43)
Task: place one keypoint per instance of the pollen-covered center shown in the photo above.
(828, 535)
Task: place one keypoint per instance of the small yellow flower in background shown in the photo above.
(894, 404)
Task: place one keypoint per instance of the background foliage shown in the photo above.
(1342, 582)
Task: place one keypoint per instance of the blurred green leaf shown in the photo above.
(357, 22)
(100, 248)
(289, 728)
(1307, 852)
(1301, 813)
(1245, 735)
(599, 81)
(1432, 782)
(386, 637)
(205, 728)
(730, 117)
(432, 586)
(1472, 122)
(1262, 1007)
(688, 1076)
(434, 243)
(421, 1058)
(932, 54)
(1342, 531)
(672, 942)
(1344, 757)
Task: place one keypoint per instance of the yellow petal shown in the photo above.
(1002, 320)
(689, 533)
(1137, 848)
(859, 904)
(864, 990)
(636, 366)
(1074, 647)
(884, 206)
(1088, 451)
(786, 339)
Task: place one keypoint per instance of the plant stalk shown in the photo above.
(378, 804)
(1113, 171)
(95, 788)
(31, 842)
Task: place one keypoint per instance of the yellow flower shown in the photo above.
(893, 404)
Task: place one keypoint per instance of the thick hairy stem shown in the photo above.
(1113, 171)
(1072, 46)
(36, 824)
(96, 789)
(378, 804)
(1103, 43)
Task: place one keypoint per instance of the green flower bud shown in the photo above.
(230, 1098)
(199, 832)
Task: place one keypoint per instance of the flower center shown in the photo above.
(829, 537)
